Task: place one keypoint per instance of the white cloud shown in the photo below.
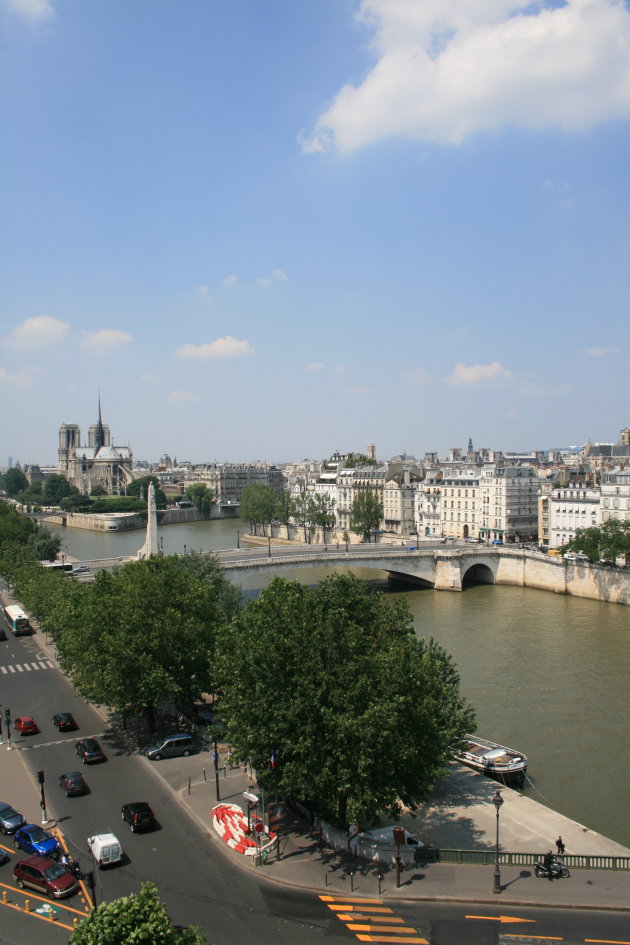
(418, 376)
(478, 374)
(229, 281)
(339, 369)
(447, 69)
(105, 341)
(39, 332)
(264, 282)
(280, 275)
(277, 275)
(227, 347)
(315, 366)
(203, 293)
(15, 380)
(30, 9)
(601, 352)
(181, 397)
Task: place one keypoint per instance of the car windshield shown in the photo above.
(7, 812)
(54, 871)
(38, 835)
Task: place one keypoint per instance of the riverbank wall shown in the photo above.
(127, 521)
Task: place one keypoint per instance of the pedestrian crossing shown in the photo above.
(34, 667)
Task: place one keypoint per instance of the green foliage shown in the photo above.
(138, 919)
(283, 507)
(117, 503)
(605, 543)
(206, 568)
(258, 503)
(56, 488)
(13, 482)
(139, 488)
(132, 638)
(201, 497)
(362, 714)
(303, 509)
(366, 514)
(323, 511)
(23, 540)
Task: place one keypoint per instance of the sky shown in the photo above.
(269, 231)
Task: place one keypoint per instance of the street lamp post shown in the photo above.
(497, 800)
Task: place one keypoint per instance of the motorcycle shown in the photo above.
(558, 869)
(73, 866)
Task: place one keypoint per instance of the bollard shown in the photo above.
(5, 896)
(380, 880)
(204, 774)
(75, 921)
(27, 905)
(189, 785)
(351, 882)
(326, 879)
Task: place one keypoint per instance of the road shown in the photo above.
(196, 877)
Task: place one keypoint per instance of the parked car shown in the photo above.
(73, 783)
(10, 819)
(45, 876)
(139, 816)
(3, 634)
(4, 856)
(26, 725)
(81, 569)
(180, 743)
(106, 849)
(89, 750)
(64, 722)
(34, 840)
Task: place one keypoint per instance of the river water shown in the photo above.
(547, 674)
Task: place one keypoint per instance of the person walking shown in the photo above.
(560, 846)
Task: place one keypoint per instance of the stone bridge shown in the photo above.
(450, 569)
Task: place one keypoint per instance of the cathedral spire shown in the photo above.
(100, 430)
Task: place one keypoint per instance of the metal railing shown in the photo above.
(487, 858)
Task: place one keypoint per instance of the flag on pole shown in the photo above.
(274, 758)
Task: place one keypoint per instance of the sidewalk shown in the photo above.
(460, 805)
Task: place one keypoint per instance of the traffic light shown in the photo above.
(7, 713)
(40, 777)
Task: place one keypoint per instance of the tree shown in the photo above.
(258, 503)
(140, 635)
(23, 539)
(140, 488)
(206, 568)
(303, 510)
(607, 542)
(323, 512)
(56, 488)
(358, 714)
(366, 514)
(283, 507)
(201, 497)
(141, 918)
(14, 481)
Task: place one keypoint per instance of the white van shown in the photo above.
(106, 849)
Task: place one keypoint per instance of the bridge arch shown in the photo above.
(478, 573)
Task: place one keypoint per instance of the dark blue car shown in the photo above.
(32, 839)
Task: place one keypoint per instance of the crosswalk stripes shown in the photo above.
(27, 667)
(371, 921)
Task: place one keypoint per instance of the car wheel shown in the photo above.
(20, 883)
(157, 757)
(122, 815)
(186, 753)
(133, 829)
(83, 760)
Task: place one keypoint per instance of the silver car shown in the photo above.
(10, 819)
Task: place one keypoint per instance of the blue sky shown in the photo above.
(273, 230)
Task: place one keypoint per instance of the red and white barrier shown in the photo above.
(230, 823)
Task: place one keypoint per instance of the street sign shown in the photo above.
(259, 827)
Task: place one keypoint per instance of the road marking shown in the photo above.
(60, 741)
(503, 919)
(362, 916)
(20, 668)
(27, 667)
(607, 941)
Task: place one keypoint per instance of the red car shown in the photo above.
(26, 725)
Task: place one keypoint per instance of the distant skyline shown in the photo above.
(270, 231)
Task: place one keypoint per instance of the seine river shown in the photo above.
(547, 674)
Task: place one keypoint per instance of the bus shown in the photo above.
(17, 619)
(65, 566)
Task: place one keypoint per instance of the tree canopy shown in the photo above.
(23, 539)
(358, 714)
(258, 503)
(135, 637)
(366, 514)
(140, 918)
(607, 542)
(139, 488)
(13, 481)
(201, 497)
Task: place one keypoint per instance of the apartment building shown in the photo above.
(508, 503)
